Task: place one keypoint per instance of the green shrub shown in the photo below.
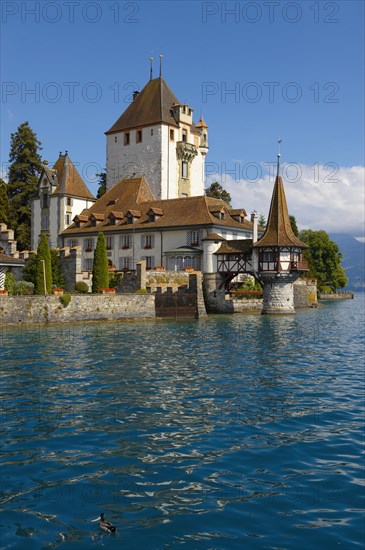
(9, 282)
(23, 288)
(100, 265)
(81, 287)
(65, 299)
(114, 279)
(141, 291)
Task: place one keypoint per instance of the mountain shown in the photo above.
(353, 259)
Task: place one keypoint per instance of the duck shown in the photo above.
(105, 525)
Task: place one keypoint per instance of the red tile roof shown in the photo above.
(134, 195)
(69, 180)
(278, 230)
(153, 105)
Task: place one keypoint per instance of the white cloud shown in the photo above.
(321, 197)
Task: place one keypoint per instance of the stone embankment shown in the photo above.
(342, 295)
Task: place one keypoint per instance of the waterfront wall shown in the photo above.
(92, 307)
(342, 295)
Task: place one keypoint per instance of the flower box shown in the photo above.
(57, 291)
(189, 269)
(159, 268)
(112, 267)
(107, 290)
(4, 292)
(148, 247)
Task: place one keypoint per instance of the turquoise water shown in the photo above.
(240, 431)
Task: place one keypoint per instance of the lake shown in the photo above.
(239, 431)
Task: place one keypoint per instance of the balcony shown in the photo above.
(186, 151)
(299, 266)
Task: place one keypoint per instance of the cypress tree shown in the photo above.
(4, 202)
(24, 172)
(43, 253)
(100, 265)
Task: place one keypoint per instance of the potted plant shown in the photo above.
(107, 290)
(57, 291)
(4, 292)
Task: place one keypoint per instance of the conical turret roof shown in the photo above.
(153, 105)
(278, 229)
(69, 180)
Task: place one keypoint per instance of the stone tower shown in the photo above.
(156, 138)
(62, 194)
(278, 255)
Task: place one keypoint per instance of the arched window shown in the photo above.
(179, 263)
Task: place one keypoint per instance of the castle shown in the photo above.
(155, 209)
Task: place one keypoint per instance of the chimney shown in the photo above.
(254, 226)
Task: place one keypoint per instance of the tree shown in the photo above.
(324, 259)
(100, 265)
(262, 221)
(24, 172)
(217, 192)
(58, 278)
(30, 269)
(43, 255)
(102, 184)
(4, 202)
(293, 223)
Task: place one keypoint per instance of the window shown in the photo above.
(194, 238)
(184, 135)
(172, 135)
(150, 260)
(139, 136)
(115, 139)
(179, 263)
(67, 219)
(45, 202)
(109, 243)
(235, 235)
(184, 169)
(88, 264)
(147, 241)
(73, 242)
(130, 218)
(152, 132)
(88, 245)
(126, 138)
(189, 112)
(184, 109)
(125, 263)
(269, 257)
(68, 201)
(45, 222)
(125, 241)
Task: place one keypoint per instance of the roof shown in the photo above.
(10, 260)
(69, 180)
(235, 246)
(214, 237)
(153, 105)
(202, 123)
(278, 230)
(134, 195)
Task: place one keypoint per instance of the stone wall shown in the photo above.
(305, 293)
(186, 301)
(93, 307)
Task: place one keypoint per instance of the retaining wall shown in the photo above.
(92, 307)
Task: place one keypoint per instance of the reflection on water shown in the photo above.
(238, 430)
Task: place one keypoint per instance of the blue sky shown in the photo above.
(294, 70)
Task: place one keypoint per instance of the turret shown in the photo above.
(279, 254)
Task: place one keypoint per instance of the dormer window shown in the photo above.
(126, 138)
(96, 219)
(154, 214)
(132, 216)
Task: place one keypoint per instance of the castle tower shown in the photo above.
(156, 138)
(62, 194)
(279, 255)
